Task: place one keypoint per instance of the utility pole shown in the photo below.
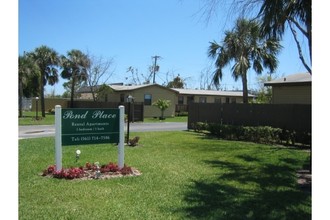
(156, 68)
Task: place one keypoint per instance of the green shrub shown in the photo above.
(200, 126)
(257, 134)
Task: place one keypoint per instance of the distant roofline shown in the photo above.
(210, 92)
(294, 79)
(121, 87)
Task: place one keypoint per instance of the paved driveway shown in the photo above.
(49, 130)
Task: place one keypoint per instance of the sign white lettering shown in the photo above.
(101, 114)
(71, 115)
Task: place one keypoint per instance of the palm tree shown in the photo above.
(75, 67)
(162, 104)
(275, 14)
(245, 46)
(47, 61)
(26, 70)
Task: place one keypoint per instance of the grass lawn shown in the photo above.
(185, 175)
(171, 119)
(29, 118)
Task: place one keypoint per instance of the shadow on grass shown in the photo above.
(245, 192)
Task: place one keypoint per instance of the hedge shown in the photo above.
(258, 134)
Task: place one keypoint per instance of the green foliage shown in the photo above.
(185, 175)
(75, 66)
(200, 126)
(29, 118)
(28, 75)
(264, 93)
(162, 104)
(252, 51)
(257, 134)
(47, 61)
(103, 91)
(176, 83)
(169, 119)
(182, 113)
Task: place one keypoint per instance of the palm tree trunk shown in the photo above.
(245, 90)
(42, 96)
(20, 98)
(162, 115)
(72, 91)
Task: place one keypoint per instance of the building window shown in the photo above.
(190, 99)
(147, 99)
(122, 97)
(233, 100)
(227, 100)
(217, 100)
(202, 99)
(180, 100)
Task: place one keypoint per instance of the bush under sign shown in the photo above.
(89, 126)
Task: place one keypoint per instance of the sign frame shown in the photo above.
(73, 134)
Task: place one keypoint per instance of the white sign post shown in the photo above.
(121, 153)
(58, 137)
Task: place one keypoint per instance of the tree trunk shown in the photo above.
(72, 92)
(42, 96)
(20, 98)
(245, 89)
(162, 115)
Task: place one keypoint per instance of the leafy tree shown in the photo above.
(264, 93)
(75, 67)
(103, 91)
(176, 83)
(27, 70)
(245, 46)
(68, 87)
(47, 60)
(162, 104)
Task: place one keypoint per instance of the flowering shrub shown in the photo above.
(89, 171)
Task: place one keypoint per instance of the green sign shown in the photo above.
(90, 126)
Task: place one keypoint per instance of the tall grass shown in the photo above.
(184, 176)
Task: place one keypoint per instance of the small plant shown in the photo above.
(134, 141)
(162, 104)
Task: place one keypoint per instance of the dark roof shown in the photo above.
(211, 92)
(86, 89)
(294, 79)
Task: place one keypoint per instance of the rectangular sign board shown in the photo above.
(89, 126)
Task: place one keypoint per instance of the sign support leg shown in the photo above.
(121, 153)
(58, 137)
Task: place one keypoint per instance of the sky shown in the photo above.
(131, 32)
